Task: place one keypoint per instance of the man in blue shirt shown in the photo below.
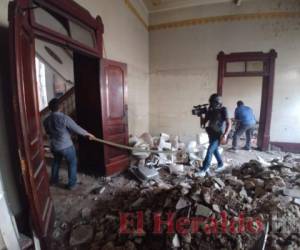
(59, 127)
(245, 119)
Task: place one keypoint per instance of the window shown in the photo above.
(41, 83)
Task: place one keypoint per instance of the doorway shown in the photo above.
(252, 64)
(248, 90)
(61, 29)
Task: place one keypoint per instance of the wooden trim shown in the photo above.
(70, 10)
(225, 18)
(132, 8)
(268, 60)
(70, 92)
(287, 146)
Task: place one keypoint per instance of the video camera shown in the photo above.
(199, 110)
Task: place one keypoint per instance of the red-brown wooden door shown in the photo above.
(114, 113)
(26, 109)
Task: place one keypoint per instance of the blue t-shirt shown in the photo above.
(245, 115)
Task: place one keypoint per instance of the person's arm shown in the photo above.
(75, 128)
(227, 128)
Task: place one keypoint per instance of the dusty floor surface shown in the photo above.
(88, 216)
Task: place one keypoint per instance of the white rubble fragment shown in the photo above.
(202, 138)
(263, 162)
(176, 168)
(176, 241)
(292, 192)
(182, 203)
(203, 211)
(297, 201)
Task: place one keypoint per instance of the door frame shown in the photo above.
(268, 74)
(22, 10)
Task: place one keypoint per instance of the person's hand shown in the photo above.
(223, 140)
(90, 136)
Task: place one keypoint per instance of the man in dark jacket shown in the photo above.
(59, 127)
(245, 119)
(216, 117)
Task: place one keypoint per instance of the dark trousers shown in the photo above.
(248, 129)
(70, 155)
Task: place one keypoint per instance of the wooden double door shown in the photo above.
(101, 99)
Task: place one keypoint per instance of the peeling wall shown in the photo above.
(183, 65)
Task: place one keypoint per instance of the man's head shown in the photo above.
(215, 101)
(240, 103)
(54, 105)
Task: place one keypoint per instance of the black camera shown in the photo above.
(200, 110)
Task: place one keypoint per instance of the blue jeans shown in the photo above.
(248, 129)
(70, 155)
(212, 150)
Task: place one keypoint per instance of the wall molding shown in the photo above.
(225, 18)
(287, 146)
(133, 9)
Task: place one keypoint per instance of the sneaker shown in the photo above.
(233, 149)
(71, 187)
(201, 173)
(220, 169)
(247, 149)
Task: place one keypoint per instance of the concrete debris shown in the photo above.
(182, 203)
(297, 201)
(203, 211)
(176, 241)
(256, 191)
(292, 192)
(86, 213)
(81, 235)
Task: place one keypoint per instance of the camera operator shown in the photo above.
(216, 117)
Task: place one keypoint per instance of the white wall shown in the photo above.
(183, 64)
(127, 40)
(247, 89)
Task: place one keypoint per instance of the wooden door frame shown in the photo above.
(24, 8)
(268, 73)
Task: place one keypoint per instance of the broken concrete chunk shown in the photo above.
(219, 182)
(274, 184)
(292, 192)
(86, 213)
(249, 184)
(129, 245)
(81, 235)
(297, 201)
(176, 241)
(216, 208)
(147, 139)
(182, 203)
(176, 169)
(109, 246)
(203, 211)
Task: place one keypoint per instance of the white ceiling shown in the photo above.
(164, 5)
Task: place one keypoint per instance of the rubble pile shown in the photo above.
(234, 210)
(171, 154)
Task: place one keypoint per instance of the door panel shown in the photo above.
(115, 120)
(27, 123)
